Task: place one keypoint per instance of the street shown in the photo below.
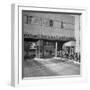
(37, 68)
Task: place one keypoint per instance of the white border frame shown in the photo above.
(16, 35)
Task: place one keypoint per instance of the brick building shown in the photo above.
(46, 32)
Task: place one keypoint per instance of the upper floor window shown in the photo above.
(29, 19)
(51, 23)
(62, 26)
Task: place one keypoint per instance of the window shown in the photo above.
(62, 26)
(51, 23)
(26, 19)
(29, 19)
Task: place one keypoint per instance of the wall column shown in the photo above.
(77, 33)
(38, 49)
(56, 49)
(36, 53)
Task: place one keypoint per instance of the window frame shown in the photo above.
(16, 76)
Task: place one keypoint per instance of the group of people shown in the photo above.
(69, 53)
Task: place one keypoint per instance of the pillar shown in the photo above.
(42, 48)
(38, 49)
(55, 49)
(77, 33)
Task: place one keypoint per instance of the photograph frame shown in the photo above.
(16, 41)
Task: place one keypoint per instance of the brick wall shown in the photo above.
(55, 30)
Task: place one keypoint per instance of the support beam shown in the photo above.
(38, 49)
(55, 49)
(36, 53)
(43, 48)
(77, 33)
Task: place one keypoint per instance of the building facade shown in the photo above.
(45, 33)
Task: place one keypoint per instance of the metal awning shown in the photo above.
(70, 43)
(52, 38)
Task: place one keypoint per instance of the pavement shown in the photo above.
(50, 67)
